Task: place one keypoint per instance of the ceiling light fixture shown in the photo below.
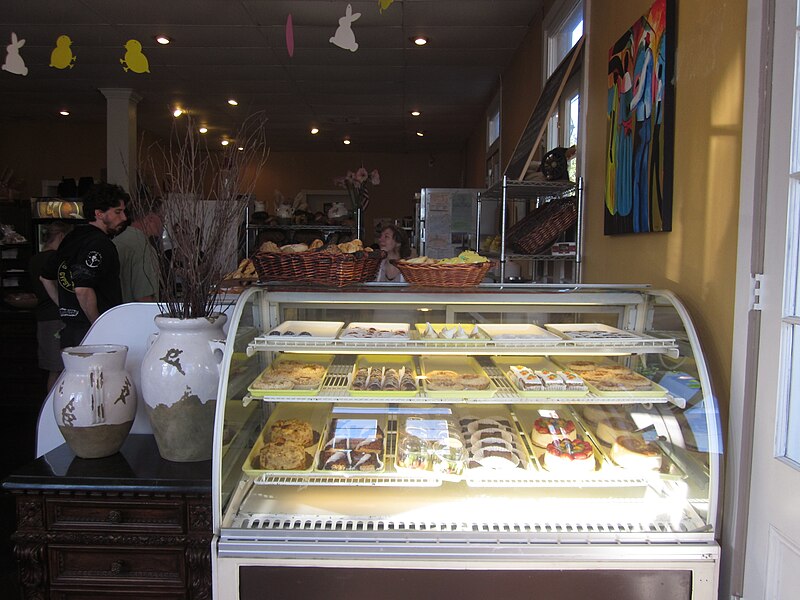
(420, 134)
(163, 40)
(314, 130)
(233, 102)
(240, 148)
(203, 129)
(415, 113)
(346, 141)
(64, 113)
(225, 142)
(177, 112)
(419, 40)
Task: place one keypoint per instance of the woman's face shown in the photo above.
(387, 242)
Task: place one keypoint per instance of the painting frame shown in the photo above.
(640, 125)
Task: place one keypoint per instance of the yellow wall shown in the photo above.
(697, 259)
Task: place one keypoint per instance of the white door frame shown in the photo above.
(750, 263)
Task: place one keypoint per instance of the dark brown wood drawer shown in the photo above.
(161, 516)
(116, 594)
(162, 567)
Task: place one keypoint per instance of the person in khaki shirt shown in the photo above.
(138, 259)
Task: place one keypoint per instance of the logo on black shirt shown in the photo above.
(65, 277)
(93, 259)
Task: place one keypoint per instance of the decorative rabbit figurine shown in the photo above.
(344, 36)
(14, 63)
(283, 210)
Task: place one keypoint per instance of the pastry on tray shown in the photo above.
(290, 375)
(282, 456)
(547, 429)
(291, 430)
(565, 456)
(632, 452)
(348, 444)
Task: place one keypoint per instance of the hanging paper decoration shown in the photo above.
(344, 36)
(14, 63)
(384, 4)
(62, 57)
(134, 59)
(289, 36)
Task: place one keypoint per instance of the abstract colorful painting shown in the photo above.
(640, 129)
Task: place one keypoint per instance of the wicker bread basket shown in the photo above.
(536, 233)
(438, 275)
(323, 268)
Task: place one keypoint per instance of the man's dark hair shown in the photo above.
(103, 196)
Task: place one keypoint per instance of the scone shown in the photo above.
(292, 430)
(283, 456)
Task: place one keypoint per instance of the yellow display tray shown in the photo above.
(390, 362)
(655, 391)
(314, 414)
(317, 359)
(535, 363)
(459, 364)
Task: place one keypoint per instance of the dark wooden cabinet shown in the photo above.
(130, 525)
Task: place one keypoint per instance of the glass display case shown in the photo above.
(493, 437)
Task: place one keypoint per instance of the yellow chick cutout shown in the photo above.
(62, 57)
(134, 59)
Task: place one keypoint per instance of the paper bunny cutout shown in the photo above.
(344, 36)
(14, 63)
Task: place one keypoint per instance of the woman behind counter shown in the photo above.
(394, 242)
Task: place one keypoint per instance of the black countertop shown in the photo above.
(136, 467)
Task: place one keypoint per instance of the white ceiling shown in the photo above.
(237, 48)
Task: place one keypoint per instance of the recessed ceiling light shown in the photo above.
(415, 113)
(203, 129)
(420, 134)
(240, 148)
(64, 113)
(233, 102)
(346, 141)
(225, 142)
(314, 130)
(163, 40)
(177, 112)
(419, 40)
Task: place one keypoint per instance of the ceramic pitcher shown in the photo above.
(95, 401)
(180, 375)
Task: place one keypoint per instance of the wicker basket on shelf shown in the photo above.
(323, 268)
(536, 233)
(438, 275)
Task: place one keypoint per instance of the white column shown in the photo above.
(121, 135)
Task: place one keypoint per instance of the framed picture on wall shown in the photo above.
(640, 125)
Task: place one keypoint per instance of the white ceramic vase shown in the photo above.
(179, 378)
(95, 400)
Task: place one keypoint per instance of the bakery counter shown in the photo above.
(131, 524)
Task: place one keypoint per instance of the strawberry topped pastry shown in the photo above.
(548, 429)
(569, 456)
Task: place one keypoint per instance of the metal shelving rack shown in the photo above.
(508, 191)
(251, 229)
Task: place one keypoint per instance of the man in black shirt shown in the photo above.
(82, 278)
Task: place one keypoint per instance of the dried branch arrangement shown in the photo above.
(202, 194)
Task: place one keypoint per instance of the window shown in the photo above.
(788, 435)
(563, 29)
